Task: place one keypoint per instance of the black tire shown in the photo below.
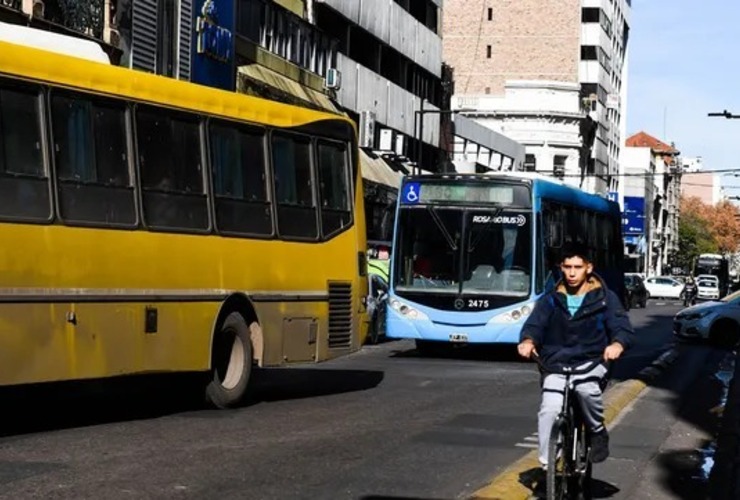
(231, 362)
(643, 302)
(377, 327)
(557, 482)
(372, 333)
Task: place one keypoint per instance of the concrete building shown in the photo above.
(698, 182)
(547, 74)
(652, 173)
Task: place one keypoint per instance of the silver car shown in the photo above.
(716, 321)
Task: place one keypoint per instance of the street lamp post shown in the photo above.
(725, 114)
(419, 114)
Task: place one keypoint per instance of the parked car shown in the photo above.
(707, 287)
(637, 294)
(664, 286)
(717, 321)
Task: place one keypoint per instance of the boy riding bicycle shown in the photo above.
(579, 322)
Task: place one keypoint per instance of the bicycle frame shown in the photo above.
(569, 468)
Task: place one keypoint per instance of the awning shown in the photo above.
(267, 77)
(378, 171)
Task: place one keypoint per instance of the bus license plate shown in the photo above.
(458, 337)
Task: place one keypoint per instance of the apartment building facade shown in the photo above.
(549, 74)
(653, 178)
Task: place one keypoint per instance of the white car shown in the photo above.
(663, 286)
(717, 321)
(707, 287)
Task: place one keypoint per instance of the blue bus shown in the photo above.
(472, 253)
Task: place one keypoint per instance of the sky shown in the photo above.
(684, 62)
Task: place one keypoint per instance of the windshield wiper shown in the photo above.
(441, 226)
(474, 244)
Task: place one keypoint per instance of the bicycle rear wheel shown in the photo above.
(557, 460)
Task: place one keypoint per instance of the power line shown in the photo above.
(652, 174)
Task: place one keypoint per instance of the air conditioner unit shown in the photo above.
(386, 139)
(367, 129)
(400, 144)
(333, 80)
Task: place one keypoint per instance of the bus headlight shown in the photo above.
(515, 315)
(406, 310)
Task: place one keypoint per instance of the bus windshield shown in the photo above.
(464, 250)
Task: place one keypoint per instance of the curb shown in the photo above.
(506, 486)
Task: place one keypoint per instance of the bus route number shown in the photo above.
(477, 303)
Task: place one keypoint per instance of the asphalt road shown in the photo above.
(382, 423)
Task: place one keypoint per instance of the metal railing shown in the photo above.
(83, 16)
(11, 4)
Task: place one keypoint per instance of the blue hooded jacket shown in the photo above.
(562, 340)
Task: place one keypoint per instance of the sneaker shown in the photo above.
(599, 446)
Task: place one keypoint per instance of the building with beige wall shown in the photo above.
(547, 73)
(701, 183)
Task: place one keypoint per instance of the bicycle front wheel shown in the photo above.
(557, 461)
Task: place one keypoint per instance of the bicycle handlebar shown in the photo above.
(588, 366)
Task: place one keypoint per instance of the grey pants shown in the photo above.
(589, 395)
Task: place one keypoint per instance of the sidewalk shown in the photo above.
(663, 443)
(662, 428)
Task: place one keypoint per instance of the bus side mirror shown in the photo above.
(554, 235)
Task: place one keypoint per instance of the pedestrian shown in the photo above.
(579, 322)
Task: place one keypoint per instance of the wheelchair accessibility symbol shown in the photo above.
(410, 193)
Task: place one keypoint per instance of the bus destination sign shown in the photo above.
(416, 192)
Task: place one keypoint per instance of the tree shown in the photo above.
(704, 228)
(694, 238)
(724, 227)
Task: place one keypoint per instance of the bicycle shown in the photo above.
(569, 469)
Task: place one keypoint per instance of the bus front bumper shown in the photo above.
(399, 327)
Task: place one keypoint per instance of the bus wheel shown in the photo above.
(231, 363)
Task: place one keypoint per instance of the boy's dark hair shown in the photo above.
(571, 250)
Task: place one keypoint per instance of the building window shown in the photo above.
(558, 165)
(590, 14)
(488, 51)
(530, 163)
(167, 42)
(490, 14)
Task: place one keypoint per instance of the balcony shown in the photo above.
(84, 17)
(11, 4)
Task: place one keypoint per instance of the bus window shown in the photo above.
(239, 182)
(296, 208)
(91, 159)
(24, 184)
(170, 163)
(334, 187)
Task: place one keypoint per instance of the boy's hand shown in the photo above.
(526, 348)
(613, 351)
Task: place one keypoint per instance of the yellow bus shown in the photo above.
(152, 225)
